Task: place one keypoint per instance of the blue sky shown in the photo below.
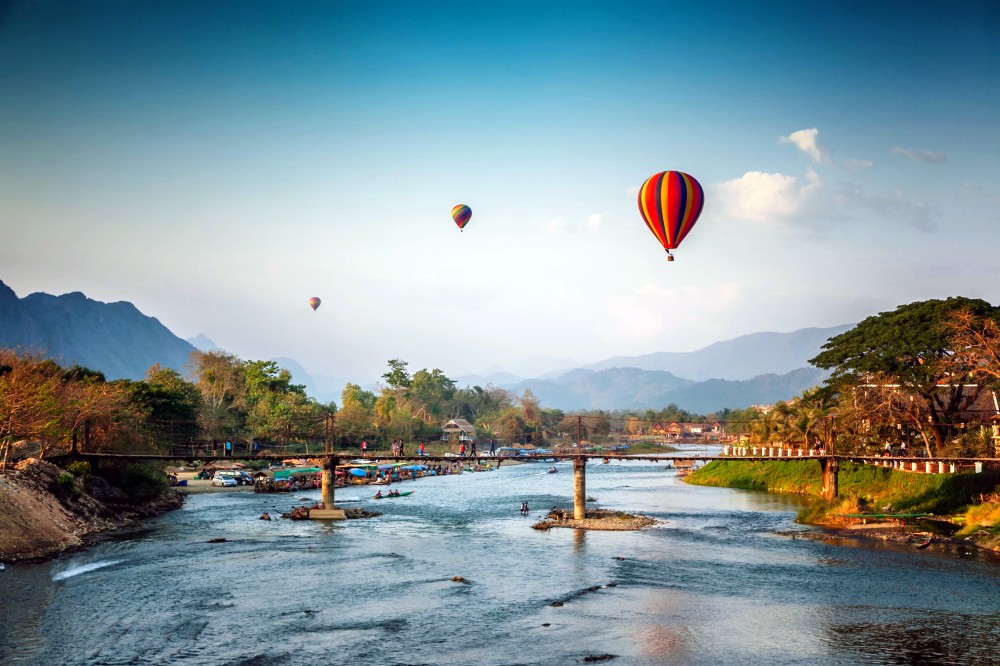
(219, 163)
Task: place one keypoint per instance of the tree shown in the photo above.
(29, 405)
(222, 384)
(431, 394)
(398, 379)
(356, 415)
(911, 351)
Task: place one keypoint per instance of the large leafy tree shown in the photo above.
(221, 381)
(909, 352)
(431, 393)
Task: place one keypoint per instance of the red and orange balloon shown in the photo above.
(670, 203)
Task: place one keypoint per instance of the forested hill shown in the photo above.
(114, 338)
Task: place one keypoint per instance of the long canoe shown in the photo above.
(402, 494)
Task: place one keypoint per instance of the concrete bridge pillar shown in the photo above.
(329, 482)
(579, 488)
(812, 452)
(328, 512)
(725, 450)
(940, 468)
(927, 467)
(951, 468)
(830, 466)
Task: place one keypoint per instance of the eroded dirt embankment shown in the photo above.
(40, 517)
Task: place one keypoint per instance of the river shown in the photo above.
(720, 580)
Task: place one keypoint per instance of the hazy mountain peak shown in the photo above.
(203, 343)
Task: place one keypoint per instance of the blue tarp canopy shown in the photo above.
(415, 468)
(357, 472)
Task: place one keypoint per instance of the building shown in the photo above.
(460, 429)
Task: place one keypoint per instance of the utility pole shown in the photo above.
(579, 475)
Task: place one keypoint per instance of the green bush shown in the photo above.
(66, 483)
(79, 468)
(144, 482)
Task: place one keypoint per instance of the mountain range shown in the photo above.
(72, 329)
(122, 342)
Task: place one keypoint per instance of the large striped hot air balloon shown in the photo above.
(670, 203)
(461, 214)
(314, 302)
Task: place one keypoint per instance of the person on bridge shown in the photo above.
(364, 448)
(461, 449)
(473, 452)
(888, 449)
(902, 450)
(493, 448)
(421, 448)
(402, 448)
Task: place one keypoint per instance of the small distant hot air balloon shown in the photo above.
(670, 203)
(461, 214)
(314, 303)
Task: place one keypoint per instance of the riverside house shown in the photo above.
(461, 429)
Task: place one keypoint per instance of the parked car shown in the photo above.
(243, 478)
(221, 480)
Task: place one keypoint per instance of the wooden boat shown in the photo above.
(402, 494)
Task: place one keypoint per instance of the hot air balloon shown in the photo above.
(461, 214)
(670, 203)
(314, 302)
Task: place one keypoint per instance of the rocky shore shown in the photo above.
(44, 511)
(596, 519)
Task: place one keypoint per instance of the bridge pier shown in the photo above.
(329, 511)
(579, 488)
(830, 466)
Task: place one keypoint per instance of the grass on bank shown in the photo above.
(864, 489)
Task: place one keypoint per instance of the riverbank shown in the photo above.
(46, 511)
(960, 507)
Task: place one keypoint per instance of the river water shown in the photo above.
(720, 580)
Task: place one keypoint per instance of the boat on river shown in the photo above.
(402, 494)
(552, 470)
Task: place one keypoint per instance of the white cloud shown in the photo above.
(560, 224)
(767, 197)
(857, 165)
(920, 155)
(805, 140)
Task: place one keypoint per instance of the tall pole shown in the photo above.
(579, 475)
